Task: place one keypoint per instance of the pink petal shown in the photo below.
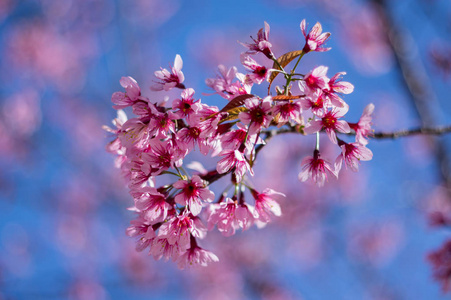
(303, 28)
(313, 127)
(343, 126)
(178, 63)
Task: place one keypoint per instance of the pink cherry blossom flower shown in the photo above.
(198, 229)
(207, 120)
(259, 73)
(286, 111)
(196, 256)
(243, 86)
(258, 114)
(229, 216)
(140, 173)
(177, 231)
(363, 127)
(261, 44)
(141, 228)
(135, 135)
(161, 125)
(234, 159)
(244, 213)
(115, 147)
(330, 123)
(336, 86)
(314, 40)
(187, 138)
(143, 109)
(153, 205)
(224, 85)
(351, 155)
(187, 106)
(131, 95)
(161, 248)
(235, 138)
(223, 79)
(170, 80)
(315, 79)
(162, 156)
(317, 102)
(316, 169)
(265, 205)
(193, 193)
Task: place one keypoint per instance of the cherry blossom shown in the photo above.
(225, 85)
(193, 193)
(235, 138)
(162, 156)
(316, 169)
(261, 44)
(316, 102)
(236, 161)
(141, 228)
(265, 205)
(258, 114)
(314, 40)
(315, 79)
(259, 73)
(170, 80)
(153, 205)
(330, 123)
(196, 256)
(131, 95)
(229, 216)
(337, 86)
(351, 155)
(154, 145)
(288, 111)
(187, 106)
(187, 138)
(363, 127)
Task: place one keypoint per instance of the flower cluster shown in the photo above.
(153, 146)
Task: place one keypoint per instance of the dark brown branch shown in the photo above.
(410, 132)
(378, 135)
(213, 175)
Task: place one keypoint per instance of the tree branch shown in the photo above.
(377, 135)
(213, 175)
(410, 132)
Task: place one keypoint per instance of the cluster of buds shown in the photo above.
(174, 208)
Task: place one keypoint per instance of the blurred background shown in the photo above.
(63, 204)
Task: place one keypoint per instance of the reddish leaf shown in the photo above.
(237, 101)
(284, 98)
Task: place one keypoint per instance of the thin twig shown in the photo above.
(381, 135)
(410, 132)
(213, 175)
